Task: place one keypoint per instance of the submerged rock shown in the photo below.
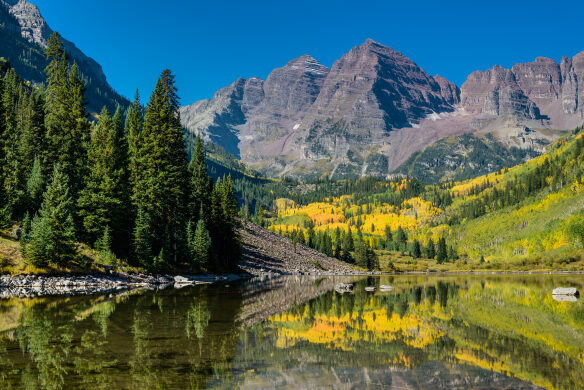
(566, 291)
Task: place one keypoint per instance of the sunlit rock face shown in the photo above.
(375, 107)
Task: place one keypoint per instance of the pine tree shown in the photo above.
(441, 252)
(35, 186)
(200, 181)
(66, 119)
(33, 141)
(104, 201)
(260, 216)
(416, 250)
(133, 129)
(163, 185)
(431, 249)
(13, 175)
(143, 239)
(201, 246)
(52, 237)
(104, 247)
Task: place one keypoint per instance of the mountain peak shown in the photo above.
(308, 64)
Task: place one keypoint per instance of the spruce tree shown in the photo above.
(13, 175)
(52, 237)
(35, 186)
(201, 246)
(133, 129)
(431, 249)
(163, 186)
(441, 252)
(66, 118)
(200, 181)
(416, 250)
(104, 201)
(143, 239)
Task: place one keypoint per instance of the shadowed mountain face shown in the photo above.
(24, 34)
(375, 107)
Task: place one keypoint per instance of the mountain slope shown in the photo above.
(375, 107)
(530, 216)
(306, 119)
(23, 37)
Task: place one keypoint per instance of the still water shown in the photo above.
(429, 332)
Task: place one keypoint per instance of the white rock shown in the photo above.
(565, 291)
(182, 280)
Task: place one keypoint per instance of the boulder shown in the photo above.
(566, 291)
(182, 280)
(342, 288)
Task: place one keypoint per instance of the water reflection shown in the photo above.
(427, 333)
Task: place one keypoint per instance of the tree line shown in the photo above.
(122, 184)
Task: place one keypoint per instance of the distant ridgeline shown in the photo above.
(23, 40)
(528, 215)
(77, 192)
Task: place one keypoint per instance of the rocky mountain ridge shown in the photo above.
(24, 35)
(374, 107)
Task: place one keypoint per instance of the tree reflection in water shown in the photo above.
(429, 332)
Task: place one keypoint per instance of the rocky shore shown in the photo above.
(27, 286)
(265, 255)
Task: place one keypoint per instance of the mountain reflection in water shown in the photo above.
(430, 332)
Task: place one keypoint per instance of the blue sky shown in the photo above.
(210, 44)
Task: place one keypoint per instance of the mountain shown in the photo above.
(375, 107)
(307, 118)
(23, 38)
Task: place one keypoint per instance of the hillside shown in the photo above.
(463, 157)
(24, 34)
(526, 217)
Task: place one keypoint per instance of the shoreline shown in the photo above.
(30, 286)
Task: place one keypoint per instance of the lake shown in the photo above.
(429, 332)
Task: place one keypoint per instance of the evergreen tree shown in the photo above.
(52, 237)
(416, 250)
(201, 246)
(133, 129)
(163, 185)
(104, 247)
(338, 244)
(33, 135)
(430, 249)
(14, 176)
(35, 186)
(104, 201)
(401, 236)
(260, 216)
(441, 252)
(65, 119)
(143, 239)
(200, 181)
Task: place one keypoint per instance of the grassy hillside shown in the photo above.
(526, 217)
